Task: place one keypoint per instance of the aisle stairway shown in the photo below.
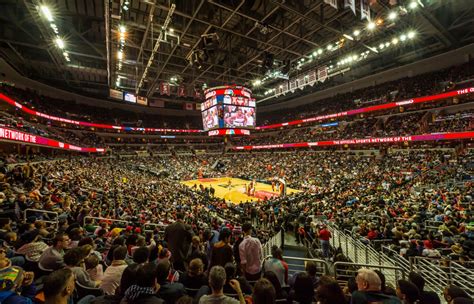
(294, 251)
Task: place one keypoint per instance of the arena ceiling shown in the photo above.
(202, 41)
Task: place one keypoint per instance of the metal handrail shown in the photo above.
(392, 273)
(54, 222)
(104, 219)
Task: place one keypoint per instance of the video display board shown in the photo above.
(232, 106)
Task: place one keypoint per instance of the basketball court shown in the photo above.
(236, 191)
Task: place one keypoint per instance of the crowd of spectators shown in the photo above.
(172, 234)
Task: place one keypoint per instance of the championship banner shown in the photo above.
(181, 91)
(293, 85)
(188, 106)
(322, 73)
(364, 10)
(197, 93)
(332, 3)
(142, 100)
(312, 77)
(350, 4)
(165, 88)
(302, 81)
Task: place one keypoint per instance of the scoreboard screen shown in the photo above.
(228, 107)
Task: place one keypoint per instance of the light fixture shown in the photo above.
(46, 13)
(413, 4)
(395, 41)
(122, 29)
(356, 33)
(403, 37)
(257, 82)
(381, 46)
(348, 37)
(392, 16)
(371, 25)
(120, 55)
(60, 43)
(387, 44)
(171, 30)
(329, 47)
(315, 53)
(411, 35)
(320, 51)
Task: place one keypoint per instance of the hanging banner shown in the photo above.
(364, 10)
(350, 4)
(302, 81)
(293, 85)
(188, 106)
(312, 79)
(165, 88)
(322, 73)
(332, 3)
(181, 91)
(197, 93)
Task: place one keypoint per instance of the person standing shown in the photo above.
(324, 236)
(250, 254)
(178, 237)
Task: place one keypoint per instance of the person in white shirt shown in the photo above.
(113, 273)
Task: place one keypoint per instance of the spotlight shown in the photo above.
(60, 43)
(356, 33)
(413, 5)
(392, 16)
(371, 26)
(411, 35)
(47, 13)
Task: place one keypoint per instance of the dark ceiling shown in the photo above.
(247, 31)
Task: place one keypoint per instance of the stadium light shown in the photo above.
(413, 5)
(392, 16)
(257, 82)
(320, 51)
(395, 41)
(371, 26)
(403, 37)
(47, 13)
(348, 37)
(411, 35)
(60, 43)
(122, 29)
(120, 55)
(329, 47)
(356, 33)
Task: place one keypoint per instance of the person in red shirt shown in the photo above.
(324, 235)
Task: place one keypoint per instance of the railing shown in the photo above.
(273, 241)
(343, 271)
(53, 221)
(439, 273)
(362, 253)
(321, 265)
(105, 219)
